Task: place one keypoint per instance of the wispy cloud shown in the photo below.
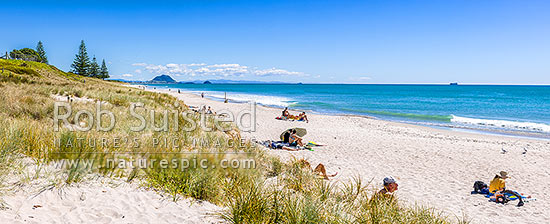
(360, 79)
(127, 75)
(275, 71)
(214, 70)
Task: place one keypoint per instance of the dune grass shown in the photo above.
(269, 192)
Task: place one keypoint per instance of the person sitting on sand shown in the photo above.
(390, 186)
(498, 185)
(295, 140)
(319, 169)
(302, 117)
(286, 136)
(386, 193)
(285, 113)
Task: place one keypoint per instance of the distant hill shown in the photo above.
(163, 79)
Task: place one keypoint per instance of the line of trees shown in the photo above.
(83, 66)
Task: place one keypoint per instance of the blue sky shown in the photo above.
(308, 41)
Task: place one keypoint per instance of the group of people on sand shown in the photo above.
(497, 187)
(287, 116)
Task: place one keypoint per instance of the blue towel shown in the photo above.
(508, 195)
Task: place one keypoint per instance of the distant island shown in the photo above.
(166, 79)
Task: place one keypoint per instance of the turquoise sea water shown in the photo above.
(520, 109)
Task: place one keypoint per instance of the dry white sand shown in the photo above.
(34, 195)
(99, 203)
(434, 167)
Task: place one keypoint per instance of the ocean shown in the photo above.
(516, 110)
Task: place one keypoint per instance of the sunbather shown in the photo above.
(498, 185)
(319, 169)
(280, 145)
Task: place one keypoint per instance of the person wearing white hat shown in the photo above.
(498, 185)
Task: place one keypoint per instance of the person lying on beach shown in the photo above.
(319, 169)
(281, 145)
(498, 185)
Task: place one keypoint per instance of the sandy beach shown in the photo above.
(434, 167)
(97, 199)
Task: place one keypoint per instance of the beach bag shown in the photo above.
(480, 187)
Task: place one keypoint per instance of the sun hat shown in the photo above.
(503, 174)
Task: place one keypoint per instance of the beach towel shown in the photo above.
(509, 197)
(312, 143)
(288, 119)
(278, 145)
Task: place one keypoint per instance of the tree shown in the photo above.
(103, 73)
(81, 63)
(94, 69)
(26, 54)
(41, 53)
